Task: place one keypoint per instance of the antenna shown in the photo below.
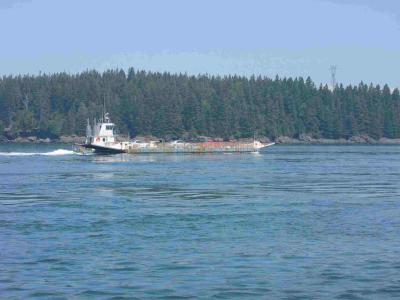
(333, 70)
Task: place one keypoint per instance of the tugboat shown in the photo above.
(101, 139)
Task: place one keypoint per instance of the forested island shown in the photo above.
(182, 106)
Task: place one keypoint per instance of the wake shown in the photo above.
(58, 152)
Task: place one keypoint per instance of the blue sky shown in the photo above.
(285, 37)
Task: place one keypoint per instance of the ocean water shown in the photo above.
(294, 222)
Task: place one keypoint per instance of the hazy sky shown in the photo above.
(268, 37)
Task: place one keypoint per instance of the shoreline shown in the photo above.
(284, 140)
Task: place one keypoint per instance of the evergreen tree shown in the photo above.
(174, 105)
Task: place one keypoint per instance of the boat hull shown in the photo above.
(103, 150)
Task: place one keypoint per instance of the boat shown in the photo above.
(101, 138)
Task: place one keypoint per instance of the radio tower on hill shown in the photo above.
(333, 69)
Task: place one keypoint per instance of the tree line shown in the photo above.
(176, 105)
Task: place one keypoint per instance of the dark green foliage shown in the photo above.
(174, 105)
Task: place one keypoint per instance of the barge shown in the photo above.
(101, 139)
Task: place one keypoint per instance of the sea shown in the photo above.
(291, 222)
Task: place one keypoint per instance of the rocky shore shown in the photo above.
(359, 139)
(302, 139)
(73, 139)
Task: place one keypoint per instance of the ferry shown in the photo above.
(100, 138)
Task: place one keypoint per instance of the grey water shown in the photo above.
(293, 222)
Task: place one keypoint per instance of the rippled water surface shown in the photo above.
(295, 222)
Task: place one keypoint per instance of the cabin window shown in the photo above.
(109, 127)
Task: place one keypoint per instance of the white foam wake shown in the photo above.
(57, 152)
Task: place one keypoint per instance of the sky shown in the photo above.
(288, 38)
